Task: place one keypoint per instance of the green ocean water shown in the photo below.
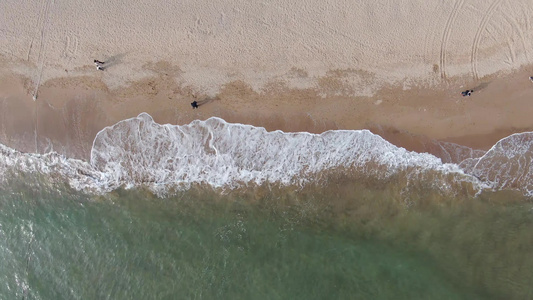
(346, 241)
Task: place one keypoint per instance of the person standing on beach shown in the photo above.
(194, 104)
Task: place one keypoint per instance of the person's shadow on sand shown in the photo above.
(196, 104)
(481, 86)
(114, 60)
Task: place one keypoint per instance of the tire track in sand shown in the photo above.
(44, 17)
(447, 30)
(71, 47)
(513, 22)
(477, 38)
(39, 25)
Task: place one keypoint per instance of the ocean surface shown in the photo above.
(213, 210)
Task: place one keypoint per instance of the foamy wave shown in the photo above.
(220, 154)
(78, 174)
(508, 164)
(138, 151)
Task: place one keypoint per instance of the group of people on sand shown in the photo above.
(99, 65)
(195, 104)
(467, 93)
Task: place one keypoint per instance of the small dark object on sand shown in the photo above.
(194, 104)
(97, 62)
(531, 78)
(467, 93)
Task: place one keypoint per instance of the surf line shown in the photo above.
(45, 11)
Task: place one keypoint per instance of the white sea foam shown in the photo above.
(78, 174)
(220, 154)
(138, 151)
(508, 164)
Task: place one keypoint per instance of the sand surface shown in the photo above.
(395, 67)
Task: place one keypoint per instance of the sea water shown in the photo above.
(213, 210)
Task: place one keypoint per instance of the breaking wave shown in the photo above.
(507, 165)
(139, 152)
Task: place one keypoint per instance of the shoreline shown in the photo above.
(70, 111)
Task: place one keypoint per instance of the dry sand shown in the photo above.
(395, 67)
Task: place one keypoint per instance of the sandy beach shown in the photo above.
(396, 68)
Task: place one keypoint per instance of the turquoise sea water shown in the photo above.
(345, 242)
